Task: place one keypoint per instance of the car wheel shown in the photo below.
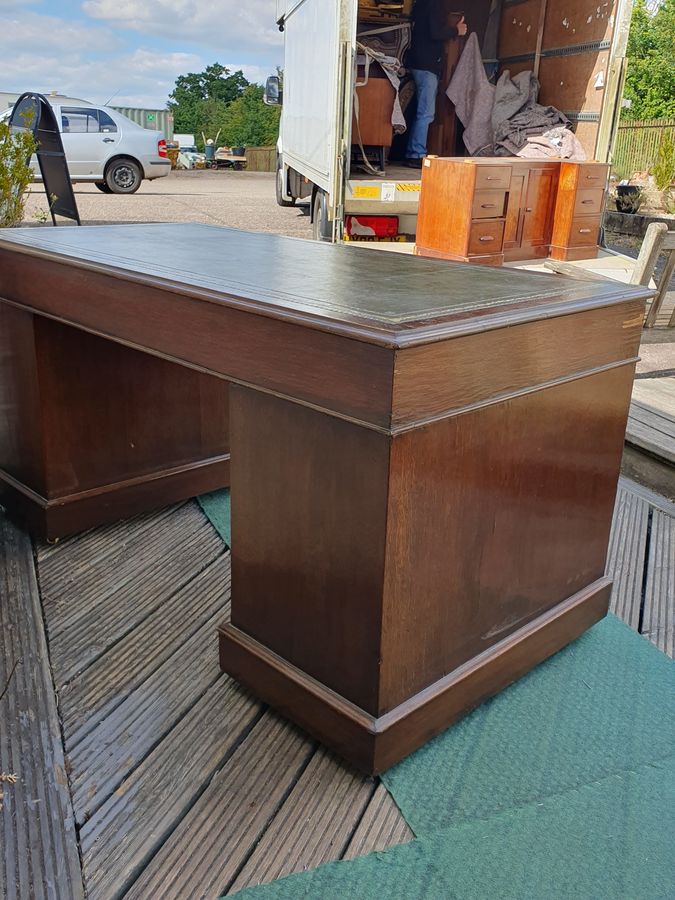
(103, 187)
(281, 200)
(123, 176)
(322, 226)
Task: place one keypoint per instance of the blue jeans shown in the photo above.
(426, 84)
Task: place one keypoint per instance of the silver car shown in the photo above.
(104, 147)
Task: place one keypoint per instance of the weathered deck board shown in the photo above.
(628, 538)
(651, 431)
(382, 826)
(659, 611)
(658, 393)
(651, 421)
(69, 579)
(65, 555)
(656, 501)
(38, 844)
(313, 826)
(92, 696)
(103, 759)
(87, 616)
(132, 825)
(230, 817)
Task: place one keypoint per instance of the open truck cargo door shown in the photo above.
(320, 37)
(577, 48)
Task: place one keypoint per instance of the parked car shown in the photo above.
(105, 147)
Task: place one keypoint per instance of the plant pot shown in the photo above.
(628, 198)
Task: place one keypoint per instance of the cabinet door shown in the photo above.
(514, 219)
(539, 204)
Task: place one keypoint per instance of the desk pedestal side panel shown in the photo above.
(383, 584)
(93, 431)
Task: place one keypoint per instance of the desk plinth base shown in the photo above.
(92, 431)
(374, 744)
(56, 517)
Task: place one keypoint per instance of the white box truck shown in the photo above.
(576, 47)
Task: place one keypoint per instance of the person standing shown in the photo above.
(430, 32)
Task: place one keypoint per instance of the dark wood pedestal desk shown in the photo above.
(424, 454)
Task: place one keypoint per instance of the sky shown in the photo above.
(131, 50)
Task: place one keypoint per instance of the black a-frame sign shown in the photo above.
(32, 112)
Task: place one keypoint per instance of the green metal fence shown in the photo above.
(637, 144)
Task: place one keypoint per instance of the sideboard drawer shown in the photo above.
(493, 178)
(592, 175)
(489, 205)
(589, 201)
(584, 230)
(486, 237)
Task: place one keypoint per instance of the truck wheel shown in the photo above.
(123, 176)
(281, 200)
(322, 226)
(102, 186)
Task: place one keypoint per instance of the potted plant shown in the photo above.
(629, 197)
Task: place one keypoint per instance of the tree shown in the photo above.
(247, 121)
(198, 94)
(650, 80)
(216, 100)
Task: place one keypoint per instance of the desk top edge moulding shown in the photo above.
(423, 455)
(364, 295)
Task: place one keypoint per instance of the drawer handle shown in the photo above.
(490, 177)
(528, 209)
(584, 231)
(488, 205)
(592, 177)
(588, 201)
(487, 237)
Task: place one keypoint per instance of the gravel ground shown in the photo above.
(239, 199)
(246, 200)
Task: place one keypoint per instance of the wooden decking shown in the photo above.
(651, 424)
(145, 772)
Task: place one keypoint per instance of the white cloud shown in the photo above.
(147, 78)
(26, 31)
(221, 24)
(91, 61)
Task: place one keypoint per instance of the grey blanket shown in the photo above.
(516, 115)
(473, 97)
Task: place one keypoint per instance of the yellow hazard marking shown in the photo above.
(366, 192)
(408, 187)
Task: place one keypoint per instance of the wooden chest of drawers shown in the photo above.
(462, 211)
(491, 211)
(578, 211)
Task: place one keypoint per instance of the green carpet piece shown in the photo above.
(611, 839)
(561, 786)
(216, 507)
(603, 705)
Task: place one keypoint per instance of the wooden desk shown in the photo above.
(424, 454)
